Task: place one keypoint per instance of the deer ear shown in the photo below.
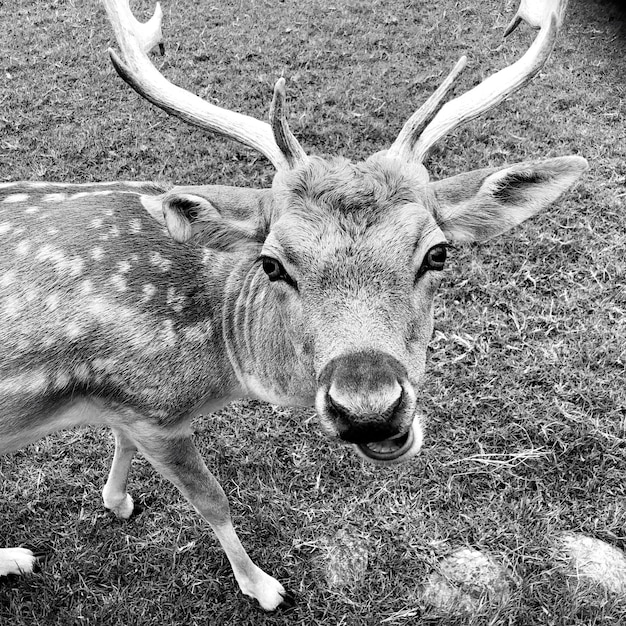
(479, 205)
(224, 222)
(184, 215)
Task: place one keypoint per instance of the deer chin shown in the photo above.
(394, 450)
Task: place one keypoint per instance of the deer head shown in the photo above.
(349, 255)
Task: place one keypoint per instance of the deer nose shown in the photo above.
(366, 397)
(373, 420)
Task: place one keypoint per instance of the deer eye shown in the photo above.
(275, 271)
(272, 268)
(435, 259)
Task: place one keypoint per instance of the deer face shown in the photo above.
(358, 255)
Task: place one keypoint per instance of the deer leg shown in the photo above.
(179, 461)
(16, 561)
(114, 494)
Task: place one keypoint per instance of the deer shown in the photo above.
(140, 306)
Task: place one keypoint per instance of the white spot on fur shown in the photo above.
(61, 263)
(123, 267)
(32, 209)
(168, 335)
(73, 330)
(114, 231)
(8, 278)
(175, 300)
(82, 372)
(52, 301)
(12, 307)
(16, 197)
(148, 292)
(61, 380)
(97, 253)
(158, 260)
(96, 222)
(84, 194)
(86, 287)
(104, 365)
(32, 382)
(54, 197)
(193, 333)
(98, 307)
(32, 295)
(5, 227)
(118, 282)
(76, 266)
(134, 226)
(23, 248)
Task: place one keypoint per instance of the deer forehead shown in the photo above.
(391, 239)
(336, 204)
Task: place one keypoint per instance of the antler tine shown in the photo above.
(543, 14)
(288, 144)
(535, 14)
(149, 33)
(404, 144)
(135, 39)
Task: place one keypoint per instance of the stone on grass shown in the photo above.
(343, 559)
(591, 560)
(467, 580)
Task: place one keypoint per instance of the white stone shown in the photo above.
(466, 580)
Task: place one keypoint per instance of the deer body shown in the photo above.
(122, 309)
(139, 306)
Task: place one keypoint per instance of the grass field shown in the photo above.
(525, 394)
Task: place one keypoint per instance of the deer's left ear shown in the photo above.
(479, 205)
(225, 217)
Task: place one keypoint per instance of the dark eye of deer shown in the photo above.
(275, 271)
(272, 268)
(435, 258)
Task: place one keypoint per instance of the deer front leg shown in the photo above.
(179, 461)
(16, 561)
(114, 494)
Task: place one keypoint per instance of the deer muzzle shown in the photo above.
(365, 398)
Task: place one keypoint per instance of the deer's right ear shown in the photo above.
(223, 223)
(185, 214)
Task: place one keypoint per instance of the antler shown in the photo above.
(416, 139)
(275, 141)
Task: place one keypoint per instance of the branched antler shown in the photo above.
(136, 39)
(415, 140)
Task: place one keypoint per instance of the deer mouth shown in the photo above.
(394, 450)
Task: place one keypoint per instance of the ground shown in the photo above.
(525, 393)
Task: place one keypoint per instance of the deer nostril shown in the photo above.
(392, 408)
(363, 419)
(378, 403)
